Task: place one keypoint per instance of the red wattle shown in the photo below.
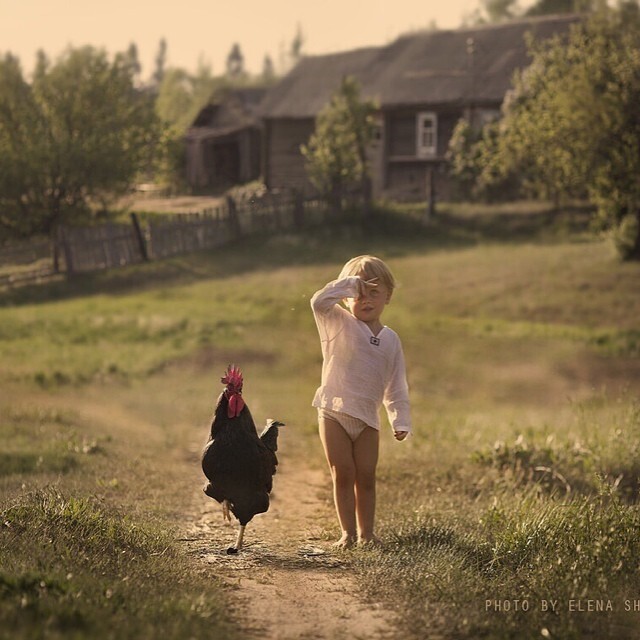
(236, 404)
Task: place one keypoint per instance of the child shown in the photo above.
(363, 368)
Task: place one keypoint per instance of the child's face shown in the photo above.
(370, 304)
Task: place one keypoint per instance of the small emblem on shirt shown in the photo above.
(374, 340)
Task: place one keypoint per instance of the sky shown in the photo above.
(205, 30)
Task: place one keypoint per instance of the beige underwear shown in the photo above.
(353, 426)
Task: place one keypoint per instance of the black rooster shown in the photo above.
(238, 464)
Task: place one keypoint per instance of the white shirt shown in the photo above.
(360, 371)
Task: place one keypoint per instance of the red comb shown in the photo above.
(233, 378)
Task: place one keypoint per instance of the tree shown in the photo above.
(289, 54)
(546, 7)
(182, 94)
(175, 101)
(336, 155)
(131, 58)
(472, 164)
(498, 10)
(160, 62)
(295, 52)
(493, 11)
(268, 69)
(75, 136)
(571, 125)
(19, 148)
(235, 62)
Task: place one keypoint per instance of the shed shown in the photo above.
(223, 145)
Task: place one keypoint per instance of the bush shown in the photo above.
(625, 237)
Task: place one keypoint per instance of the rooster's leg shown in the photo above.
(239, 539)
(225, 510)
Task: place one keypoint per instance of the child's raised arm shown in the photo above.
(334, 292)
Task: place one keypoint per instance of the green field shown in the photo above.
(522, 339)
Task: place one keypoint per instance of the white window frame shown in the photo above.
(426, 145)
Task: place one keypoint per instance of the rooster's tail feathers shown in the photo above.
(269, 435)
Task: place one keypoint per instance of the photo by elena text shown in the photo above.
(573, 605)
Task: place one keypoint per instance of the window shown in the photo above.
(427, 135)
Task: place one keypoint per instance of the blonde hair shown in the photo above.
(369, 267)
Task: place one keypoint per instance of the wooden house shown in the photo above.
(223, 145)
(423, 83)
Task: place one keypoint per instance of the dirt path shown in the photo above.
(287, 583)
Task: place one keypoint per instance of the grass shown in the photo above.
(466, 581)
(74, 567)
(521, 481)
(551, 515)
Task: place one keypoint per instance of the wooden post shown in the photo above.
(55, 248)
(367, 199)
(66, 249)
(298, 210)
(139, 237)
(234, 222)
(431, 194)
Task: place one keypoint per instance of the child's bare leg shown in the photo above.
(365, 453)
(339, 451)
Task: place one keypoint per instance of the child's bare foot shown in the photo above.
(346, 542)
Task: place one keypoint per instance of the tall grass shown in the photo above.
(490, 544)
(493, 572)
(74, 567)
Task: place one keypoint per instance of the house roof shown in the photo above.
(425, 68)
(308, 87)
(207, 133)
(234, 111)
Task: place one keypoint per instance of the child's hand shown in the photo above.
(400, 435)
(364, 286)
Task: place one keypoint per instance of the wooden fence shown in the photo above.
(24, 262)
(105, 246)
(100, 247)
(185, 233)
